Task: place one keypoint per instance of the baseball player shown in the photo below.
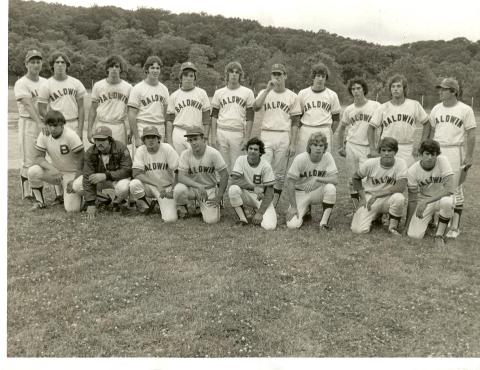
(385, 181)
(197, 176)
(109, 101)
(252, 181)
(281, 118)
(430, 189)
(107, 165)
(452, 125)
(188, 107)
(153, 171)
(30, 124)
(147, 103)
(356, 119)
(320, 108)
(63, 93)
(65, 150)
(398, 118)
(232, 115)
(311, 179)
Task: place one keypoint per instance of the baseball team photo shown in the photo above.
(190, 185)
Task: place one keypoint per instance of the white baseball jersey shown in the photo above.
(112, 100)
(357, 120)
(303, 169)
(450, 123)
(378, 178)
(232, 105)
(278, 108)
(61, 149)
(259, 176)
(429, 183)
(26, 88)
(159, 166)
(188, 107)
(62, 95)
(399, 121)
(202, 170)
(150, 102)
(318, 107)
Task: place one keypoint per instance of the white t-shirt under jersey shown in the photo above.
(357, 120)
(303, 169)
(188, 107)
(112, 100)
(150, 102)
(63, 95)
(318, 107)
(399, 121)
(259, 176)
(429, 183)
(379, 178)
(26, 88)
(232, 105)
(61, 149)
(159, 166)
(450, 123)
(202, 170)
(278, 109)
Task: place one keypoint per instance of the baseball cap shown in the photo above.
(194, 131)
(32, 54)
(188, 65)
(102, 132)
(449, 83)
(150, 131)
(277, 67)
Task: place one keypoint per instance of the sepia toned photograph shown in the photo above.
(243, 180)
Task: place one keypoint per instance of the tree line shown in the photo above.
(89, 35)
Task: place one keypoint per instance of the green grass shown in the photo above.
(133, 286)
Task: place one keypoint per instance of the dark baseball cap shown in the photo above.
(188, 65)
(449, 83)
(194, 131)
(33, 54)
(277, 67)
(150, 131)
(102, 132)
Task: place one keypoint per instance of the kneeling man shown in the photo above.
(431, 188)
(311, 179)
(252, 181)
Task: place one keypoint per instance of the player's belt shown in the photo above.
(328, 125)
(150, 123)
(230, 129)
(271, 130)
(451, 145)
(111, 122)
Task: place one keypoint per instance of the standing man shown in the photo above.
(430, 189)
(188, 107)
(65, 150)
(320, 108)
(252, 181)
(107, 165)
(147, 102)
(385, 181)
(398, 118)
(356, 120)
(232, 115)
(153, 172)
(197, 176)
(452, 125)
(30, 123)
(311, 180)
(109, 101)
(281, 118)
(63, 93)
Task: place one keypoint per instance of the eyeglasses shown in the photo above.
(276, 74)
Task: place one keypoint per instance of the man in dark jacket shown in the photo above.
(107, 166)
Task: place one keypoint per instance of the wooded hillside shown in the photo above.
(89, 35)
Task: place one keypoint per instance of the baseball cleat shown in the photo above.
(325, 227)
(29, 198)
(182, 212)
(439, 241)
(37, 206)
(58, 200)
(453, 233)
(394, 232)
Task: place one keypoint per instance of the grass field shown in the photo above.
(134, 286)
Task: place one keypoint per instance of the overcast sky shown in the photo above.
(380, 21)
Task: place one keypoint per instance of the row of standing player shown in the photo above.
(286, 116)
